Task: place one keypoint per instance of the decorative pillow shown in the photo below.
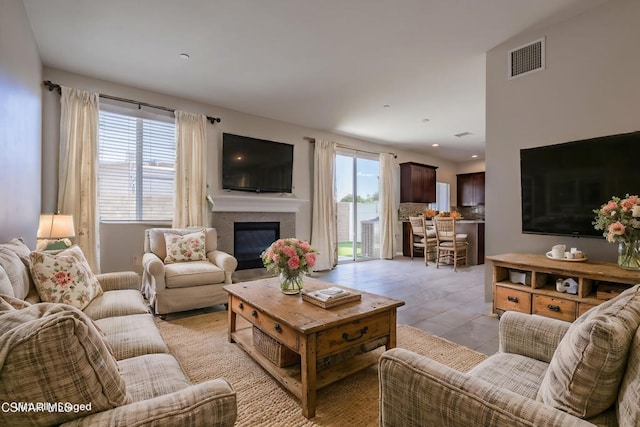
(16, 271)
(187, 247)
(8, 302)
(587, 367)
(5, 283)
(64, 277)
(53, 352)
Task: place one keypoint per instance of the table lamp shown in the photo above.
(54, 231)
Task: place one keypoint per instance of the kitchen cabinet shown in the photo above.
(470, 189)
(474, 229)
(417, 183)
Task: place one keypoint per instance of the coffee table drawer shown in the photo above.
(267, 324)
(341, 337)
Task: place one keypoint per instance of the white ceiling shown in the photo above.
(326, 64)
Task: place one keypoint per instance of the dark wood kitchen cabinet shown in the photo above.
(417, 183)
(470, 189)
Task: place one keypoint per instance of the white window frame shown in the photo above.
(141, 145)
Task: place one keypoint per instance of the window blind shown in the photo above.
(136, 169)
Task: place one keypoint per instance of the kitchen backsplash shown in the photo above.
(471, 212)
(414, 209)
(410, 209)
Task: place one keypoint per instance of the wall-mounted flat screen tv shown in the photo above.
(258, 165)
(562, 184)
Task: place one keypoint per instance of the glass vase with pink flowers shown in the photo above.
(619, 219)
(289, 258)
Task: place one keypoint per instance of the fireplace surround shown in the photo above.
(224, 223)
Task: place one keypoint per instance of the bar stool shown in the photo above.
(449, 244)
(417, 233)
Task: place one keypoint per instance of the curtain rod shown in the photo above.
(313, 140)
(52, 86)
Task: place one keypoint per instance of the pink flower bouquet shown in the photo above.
(619, 219)
(289, 257)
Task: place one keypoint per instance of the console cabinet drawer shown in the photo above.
(557, 308)
(583, 307)
(508, 299)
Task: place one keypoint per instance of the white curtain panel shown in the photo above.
(323, 225)
(388, 219)
(77, 169)
(190, 203)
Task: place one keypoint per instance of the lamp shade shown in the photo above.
(56, 226)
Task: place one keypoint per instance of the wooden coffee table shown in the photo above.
(311, 331)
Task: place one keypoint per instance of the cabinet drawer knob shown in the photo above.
(361, 333)
(512, 299)
(254, 313)
(555, 308)
(241, 306)
(277, 327)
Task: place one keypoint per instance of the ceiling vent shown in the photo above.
(526, 59)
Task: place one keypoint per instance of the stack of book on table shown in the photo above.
(330, 297)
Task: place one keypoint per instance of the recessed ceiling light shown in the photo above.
(435, 145)
(475, 156)
(183, 56)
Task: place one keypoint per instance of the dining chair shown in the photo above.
(451, 247)
(430, 241)
(417, 233)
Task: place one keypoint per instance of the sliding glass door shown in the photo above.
(357, 198)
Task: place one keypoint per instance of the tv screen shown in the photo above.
(250, 164)
(562, 184)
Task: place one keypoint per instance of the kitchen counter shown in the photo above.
(474, 229)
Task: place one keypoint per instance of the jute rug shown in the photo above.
(200, 344)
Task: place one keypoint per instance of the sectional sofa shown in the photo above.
(105, 364)
(547, 373)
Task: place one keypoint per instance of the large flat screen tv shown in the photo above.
(561, 184)
(258, 165)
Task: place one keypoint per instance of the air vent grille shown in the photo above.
(526, 59)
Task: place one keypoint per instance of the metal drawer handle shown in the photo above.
(362, 331)
(241, 305)
(277, 327)
(555, 308)
(254, 313)
(512, 299)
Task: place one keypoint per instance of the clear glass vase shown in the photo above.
(629, 254)
(290, 285)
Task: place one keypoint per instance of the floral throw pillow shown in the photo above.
(64, 277)
(187, 247)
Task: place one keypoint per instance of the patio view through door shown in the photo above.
(357, 198)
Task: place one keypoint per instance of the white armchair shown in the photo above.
(186, 285)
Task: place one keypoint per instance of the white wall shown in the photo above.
(122, 243)
(20, 125)
(471, 166)
(590, 88)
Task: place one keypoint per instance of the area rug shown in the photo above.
(201, 346)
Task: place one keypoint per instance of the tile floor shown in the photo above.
(439, 301)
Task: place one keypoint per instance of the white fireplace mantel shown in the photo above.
(256, 203)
